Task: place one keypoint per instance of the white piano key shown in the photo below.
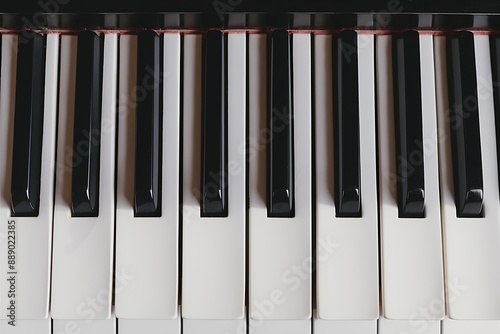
(412, 269)
(213, 277)
(280, 248)
(82, 272)
(346, 248)
(85, 326)
(32, 235)
(471, 245)
(147, 247)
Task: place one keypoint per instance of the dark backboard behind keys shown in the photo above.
(451, 14)
(207, 6)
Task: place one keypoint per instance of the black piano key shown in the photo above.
(346, 125)
(408, 124)
(147, 173)
(214, 132)
(87, 126)
(28, 126)
(495, 71)
(464, 124)
(280, 169)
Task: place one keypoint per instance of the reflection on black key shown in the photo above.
(28, 126)
(495, 71)
(464, 123)
(147, 189)
(214, 141)
(280, 170)
(346, 125)
(408, 124)
(87, 126)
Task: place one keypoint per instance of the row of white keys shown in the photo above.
(147, 248)
(26, 241)
(471, 245)
(280, 256)
(411, 249)
(82, 272)
(347, 287)
(408, 306)
(214, 248)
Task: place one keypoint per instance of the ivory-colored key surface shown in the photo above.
(346, 248)
(213, 263)
(471, 245)
(147, 248)
(83, 247)
(280, 248)
(411, 248)
(25, 243)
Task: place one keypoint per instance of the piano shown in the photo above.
(260, 167)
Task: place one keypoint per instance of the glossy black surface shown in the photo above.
(87, 126)
(464, 124)
(347, 170)
(408, 124)
(390, 15)
(222, 6)
(495, 71)
(214, 193)
(280, 168)
(147, 172)
(28, 127)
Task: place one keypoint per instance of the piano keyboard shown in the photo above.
(244, 180)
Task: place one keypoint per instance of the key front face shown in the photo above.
(147, 172)
(280, 171)
(408, 124)
(87, 126)
(346, 123)
(464, 124)
(28, 126)
(214, 132)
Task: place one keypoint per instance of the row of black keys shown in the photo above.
(25, 187)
